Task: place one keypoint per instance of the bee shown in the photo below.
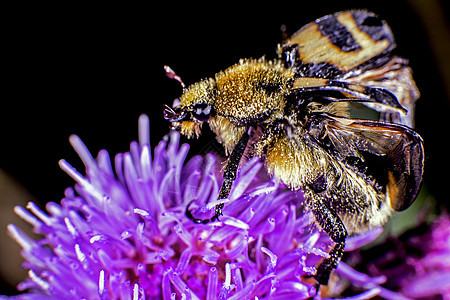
(294, 113)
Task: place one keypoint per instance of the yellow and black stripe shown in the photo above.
(337, 44)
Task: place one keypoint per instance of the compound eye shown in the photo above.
(202, 111)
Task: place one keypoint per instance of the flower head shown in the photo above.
(417, 264)
(122, 233)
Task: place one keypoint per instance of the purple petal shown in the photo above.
(212, 284)
(357, 277)
(362, 239)
(435, 283)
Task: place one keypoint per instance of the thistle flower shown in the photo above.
(417, 264)
(122, 233)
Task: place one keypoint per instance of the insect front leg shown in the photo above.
(333, 226)
(228, 177)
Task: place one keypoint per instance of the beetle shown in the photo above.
(296, 110)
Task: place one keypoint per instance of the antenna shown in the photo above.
(172, 75)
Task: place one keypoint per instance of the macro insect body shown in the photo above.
(294, 113)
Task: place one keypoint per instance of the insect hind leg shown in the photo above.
(333, 226)
(329, 264)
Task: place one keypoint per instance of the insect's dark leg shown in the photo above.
(228, 177)
(333, 226)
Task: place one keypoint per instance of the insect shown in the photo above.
(295, 110)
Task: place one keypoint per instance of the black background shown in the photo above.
(93, 69)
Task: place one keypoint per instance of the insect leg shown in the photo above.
(228, 177)
(333, 226)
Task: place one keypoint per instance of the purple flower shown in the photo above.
(417, 264)
(122, 233)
